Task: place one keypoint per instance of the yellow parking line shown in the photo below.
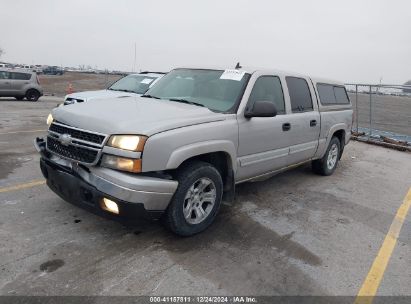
(29, 131)
(372, 281)
(23, 186)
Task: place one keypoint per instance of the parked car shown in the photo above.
(20, 84)
(38, 69)
(175, 152)
(130, 85)
(53, 70)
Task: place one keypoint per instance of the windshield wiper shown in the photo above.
(150, 96)
(187, 102)
(127, 91)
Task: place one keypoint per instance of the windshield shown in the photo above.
(215, 89)
(133, 83)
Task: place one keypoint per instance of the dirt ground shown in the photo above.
(388, 113)
(58, 85)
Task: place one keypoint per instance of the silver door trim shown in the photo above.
(263, 156)
(303, 147)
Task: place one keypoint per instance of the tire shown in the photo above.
(200, 187)
(32, 95)
(19, 97)
(327, 165)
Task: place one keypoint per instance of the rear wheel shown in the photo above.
(33, 95)
(197, 199)
(327, 164)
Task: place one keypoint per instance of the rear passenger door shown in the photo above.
(304, 120)
(19, 81)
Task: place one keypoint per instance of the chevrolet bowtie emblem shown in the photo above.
(65, 139)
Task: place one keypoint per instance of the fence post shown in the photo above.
(369, 136)
(356, 105)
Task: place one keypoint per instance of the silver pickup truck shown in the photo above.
(176, 152)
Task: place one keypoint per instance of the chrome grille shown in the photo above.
(75, 133)
(75, 144)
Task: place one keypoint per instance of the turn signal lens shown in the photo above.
(121, 163)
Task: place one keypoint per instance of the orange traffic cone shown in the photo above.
(70, 88)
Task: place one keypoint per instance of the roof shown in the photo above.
(327, 81)
(153, 74)
(251, 70)
(17, 70)
(148, 72)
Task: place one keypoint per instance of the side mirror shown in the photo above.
(261, 109)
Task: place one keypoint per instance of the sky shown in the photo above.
(350, 41)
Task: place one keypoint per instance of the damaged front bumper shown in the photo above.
(137, 196)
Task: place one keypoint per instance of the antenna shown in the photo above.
(238, 66)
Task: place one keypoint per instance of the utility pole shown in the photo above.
(135, 57)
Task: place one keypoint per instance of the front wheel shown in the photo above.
(197, 199)
(326, 165)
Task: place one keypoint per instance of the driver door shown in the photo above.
(263, 141)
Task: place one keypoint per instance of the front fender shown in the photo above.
(168, 150)
(181, 154)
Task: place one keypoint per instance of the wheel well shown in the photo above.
(340, 134)
(32, 89)
(222, 162)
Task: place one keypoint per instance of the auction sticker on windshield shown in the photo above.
(146, 80)
(232, 75)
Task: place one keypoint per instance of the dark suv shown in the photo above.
(53, 70)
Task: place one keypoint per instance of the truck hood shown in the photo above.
(133, 115)
(88, 95)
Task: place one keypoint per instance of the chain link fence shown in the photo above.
(382, 113)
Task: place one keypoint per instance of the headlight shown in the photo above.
(121, 163)
(49, 119)
(127, 142)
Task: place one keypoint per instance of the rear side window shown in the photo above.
(300, 95)
(341, 95)
(326, 93)
(330, 94)
(268, 88)
(20, 76)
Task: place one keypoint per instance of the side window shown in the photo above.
(331, 95)
(4, 75)
(300, 95)
(326, 93)
(341, 95)
(268, 88)
(20, 76)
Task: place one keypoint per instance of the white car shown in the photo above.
(130, 85)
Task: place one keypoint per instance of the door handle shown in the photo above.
(286, 126)
(313, 123)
